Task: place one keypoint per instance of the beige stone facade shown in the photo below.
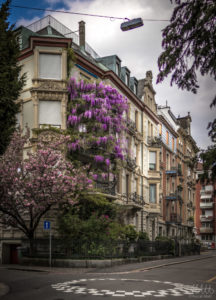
(44, 103)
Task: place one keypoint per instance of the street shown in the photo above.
(185, 278)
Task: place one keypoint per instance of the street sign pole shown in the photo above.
(50, 249)
(47, 226)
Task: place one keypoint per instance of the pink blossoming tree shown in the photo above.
(31, 187)
(97, 125)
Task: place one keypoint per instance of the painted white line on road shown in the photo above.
(178, 289)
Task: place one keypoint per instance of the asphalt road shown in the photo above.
(182, 278)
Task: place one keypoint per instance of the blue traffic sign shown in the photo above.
(46, 224)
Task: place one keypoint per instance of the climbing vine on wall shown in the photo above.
(96, 122)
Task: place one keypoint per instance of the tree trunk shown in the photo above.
(31, 244)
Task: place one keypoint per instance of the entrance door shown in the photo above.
(14, 254)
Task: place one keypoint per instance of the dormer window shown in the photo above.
(117, 68)
(127, 79)
(135, 88)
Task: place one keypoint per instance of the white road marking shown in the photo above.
(178, 289)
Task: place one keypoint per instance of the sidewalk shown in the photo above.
(119, 269)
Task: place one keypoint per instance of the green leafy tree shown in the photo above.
(11, 82)
(209, 164)
(189, 44)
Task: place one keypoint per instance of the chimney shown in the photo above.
(82, 35)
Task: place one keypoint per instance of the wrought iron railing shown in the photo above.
(131, 125)
(134, 198)
(106, 188)
(174, 218)
(92, 249)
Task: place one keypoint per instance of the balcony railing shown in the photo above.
(154, 141)
(206, 204)
(206, 230)
(134, 199)
(190, 223)
(171, 196)
(190, 204)
(106, 188)
(207, 190)
(174, 171)
(204, 218)
(131, 125)
(174, 218)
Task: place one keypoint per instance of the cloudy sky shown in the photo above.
(138, 49)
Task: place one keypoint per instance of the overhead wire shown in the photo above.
(85, 14)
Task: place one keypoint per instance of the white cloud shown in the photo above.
(26, 22)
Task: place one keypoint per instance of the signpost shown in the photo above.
(47, 226)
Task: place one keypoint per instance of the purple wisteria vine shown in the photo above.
(96, 122)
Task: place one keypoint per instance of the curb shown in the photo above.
(158, 266)
(4, 289)
(178, 262)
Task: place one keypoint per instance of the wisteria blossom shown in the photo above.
(100, 109)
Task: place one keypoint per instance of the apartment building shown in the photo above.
(205, 220)
(44, 48)
(177, 175)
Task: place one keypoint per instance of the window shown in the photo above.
(173, 144)
(152, 193)
(117, 68)
(141, 157)
(127, 79)
(173, 185)
(151, 130)
(167, 138)
(136, 189)
(160, 129)
(167, 161)
(50, 113)
(152, 160)
(135, 88)
(50, 66)
(141, 187)
(127, 185)
(136, 118)
(18, 119)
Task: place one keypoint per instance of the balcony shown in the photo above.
(204, 218)
(131, 125)
(174, 219)
(154, 141)
(191, 183)
(174, 171)
(206, 230)
(106, 188)
(207, 190)
(190, 204)
(206, 204)
(173, 196)
(190, 221)
(133, 200)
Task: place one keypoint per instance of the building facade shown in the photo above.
(45, 55)
(156, 186)
(205, 221)
(178, 150)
